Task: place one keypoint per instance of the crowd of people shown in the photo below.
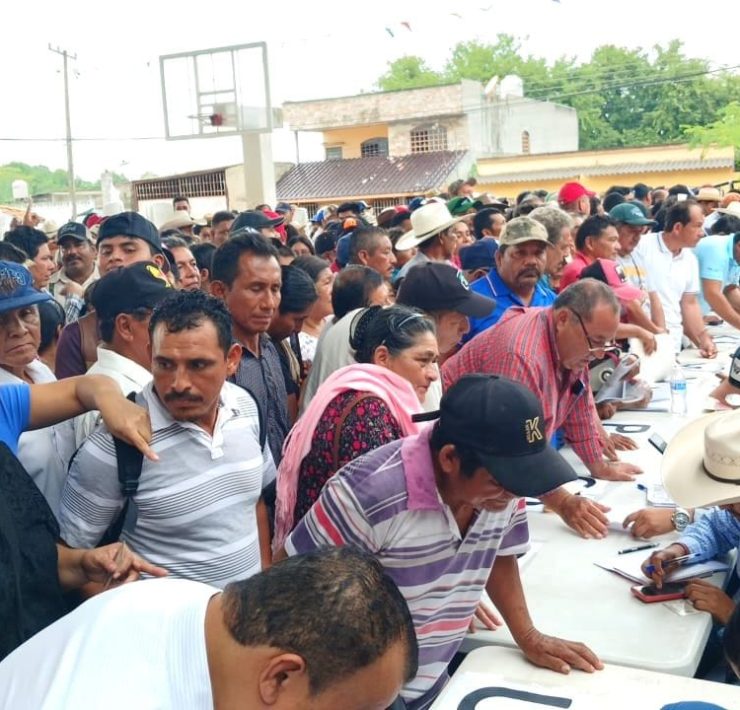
(320, 439)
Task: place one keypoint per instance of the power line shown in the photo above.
(678, 78)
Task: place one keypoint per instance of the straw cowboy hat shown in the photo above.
(701, 466)
(430, 219)
(708, 194)
(178, 221)
(733, 209)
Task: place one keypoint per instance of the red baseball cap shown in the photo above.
(572, 191)
(611, 273)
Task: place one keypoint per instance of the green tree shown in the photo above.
(408, 73)
(624, 97)
(725, 131)
(474, 60)
(41, 179)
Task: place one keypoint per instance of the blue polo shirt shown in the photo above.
(492, 286)
(716, 262)
(15, 412)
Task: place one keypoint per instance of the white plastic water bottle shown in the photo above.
(679, 403)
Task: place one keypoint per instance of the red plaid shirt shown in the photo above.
(521, 346)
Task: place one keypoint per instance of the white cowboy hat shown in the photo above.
(701, 466)
(430, 219)
(733, 209)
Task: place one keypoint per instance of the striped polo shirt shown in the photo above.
(196, 506)
(387, 503)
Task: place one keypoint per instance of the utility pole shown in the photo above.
(66, 56)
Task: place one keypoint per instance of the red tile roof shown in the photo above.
(368, 177)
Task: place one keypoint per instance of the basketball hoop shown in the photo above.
(216, 92)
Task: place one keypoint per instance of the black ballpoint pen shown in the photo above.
(637, 549)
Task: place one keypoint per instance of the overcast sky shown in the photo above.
(317, 49)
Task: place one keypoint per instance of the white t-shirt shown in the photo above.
(130, 376)
(139, 646)
(43, 452)
(670, 277)
(333, 351)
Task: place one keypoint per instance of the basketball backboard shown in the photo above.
(216, 92)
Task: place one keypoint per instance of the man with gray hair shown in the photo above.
(515, 278)
(558, 225)
(548, 350)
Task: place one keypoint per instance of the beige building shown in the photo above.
(385, 147)
(600, 169)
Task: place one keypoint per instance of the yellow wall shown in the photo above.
(611, 165)
(350, 139)
(602, 183)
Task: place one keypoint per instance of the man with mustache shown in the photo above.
(78, 267)
(198, 510)
(515, 278)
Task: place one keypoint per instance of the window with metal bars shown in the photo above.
(525, 142)
(428, 139)
(334, 152)
(374, 146)
(211, 184)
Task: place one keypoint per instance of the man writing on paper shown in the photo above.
(701, 467)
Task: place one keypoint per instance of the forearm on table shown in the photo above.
(693, 323)
(590, 451)
(711, 535)
(719, 303)
(504, 587)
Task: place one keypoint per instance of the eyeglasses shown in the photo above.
(609, 346)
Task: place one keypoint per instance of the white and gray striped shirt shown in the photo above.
(196, 506)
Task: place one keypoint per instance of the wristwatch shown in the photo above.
(680, 519)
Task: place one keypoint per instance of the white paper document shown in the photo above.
(629, 566)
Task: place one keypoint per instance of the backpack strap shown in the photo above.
(130, 462)
(260, 416)
(353, 402)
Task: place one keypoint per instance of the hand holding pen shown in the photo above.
(662, 562)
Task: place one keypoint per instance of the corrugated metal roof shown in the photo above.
(624, 169)
(368, 177)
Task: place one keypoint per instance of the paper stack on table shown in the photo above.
(657, 366)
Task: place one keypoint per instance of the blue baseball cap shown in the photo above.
(16, 288)
(479, 255)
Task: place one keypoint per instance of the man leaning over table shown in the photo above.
(548, 350)
(442, 511)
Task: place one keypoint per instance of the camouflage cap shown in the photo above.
(523, 229)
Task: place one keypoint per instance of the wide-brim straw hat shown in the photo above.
(701, 465)
(427, 221)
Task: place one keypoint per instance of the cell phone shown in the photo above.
(658, 442)
(649, 593)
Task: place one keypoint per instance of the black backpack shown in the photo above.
(130, 462)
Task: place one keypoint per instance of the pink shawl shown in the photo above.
(393, 389)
